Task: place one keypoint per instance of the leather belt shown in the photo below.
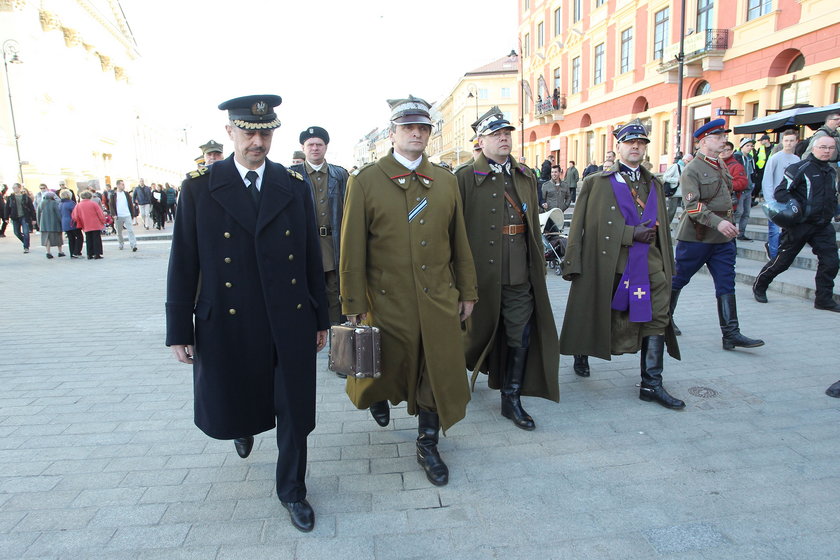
(514, 229)
(324, 231)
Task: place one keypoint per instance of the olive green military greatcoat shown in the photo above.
(707, 196)
(483, 194)
(599, 243)
(405, 260)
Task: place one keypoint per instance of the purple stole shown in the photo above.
(633, 290)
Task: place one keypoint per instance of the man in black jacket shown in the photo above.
(812, 182)
(21, 211)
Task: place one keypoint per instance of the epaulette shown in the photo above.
(462, 166)
(359, 170)
(294, 174)
(197, 173)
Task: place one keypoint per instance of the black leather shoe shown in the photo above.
(661, 396)
(428, 457)
(760, 294)
(244, 445)
(833, 306)
(834, 391)
(581, 366)
(301, 514)
(381, 412)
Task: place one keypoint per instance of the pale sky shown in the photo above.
(334, 63)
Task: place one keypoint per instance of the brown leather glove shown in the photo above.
(644, 234)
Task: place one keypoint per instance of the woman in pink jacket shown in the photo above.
(89, 217)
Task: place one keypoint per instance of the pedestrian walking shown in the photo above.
(555, 191)
(142, 195)
(619, 262)
(406, 268)
(21, 211)
(705, 235)
(75, 237)
(511, 335)
(90, 219)
(812, 184)
(123, 212)
(49, 223)
(328, 184)
(742, 210)
(245, 300)
(772, 176)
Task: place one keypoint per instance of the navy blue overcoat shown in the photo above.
(254, 282)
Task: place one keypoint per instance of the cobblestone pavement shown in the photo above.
(99, 457)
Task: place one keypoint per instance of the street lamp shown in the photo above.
(680, 76)
(10, 54)
(473, 94)
(511, 57)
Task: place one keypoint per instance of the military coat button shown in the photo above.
(492, 210)
(227, 260)
(288, 233)
(492, 226)
(494, 195)
(426, 290)
(299, 306)
(227, 235)
(422, 221)
(609, 223)
(607, 237)
(382, 292)
(228, 285)
(294, 281)
(603, 252)
(291, 257)
(491, 261)
(423, 243)
(422, 267)
(232, 311)
(612, 207)
(492, 243)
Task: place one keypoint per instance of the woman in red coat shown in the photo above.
(89, 217)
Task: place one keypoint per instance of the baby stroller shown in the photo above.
(554, 240)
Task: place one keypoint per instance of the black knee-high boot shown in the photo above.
(728, 316)
(651, 390)
(512, 389)
(675, 295)
(428, 427)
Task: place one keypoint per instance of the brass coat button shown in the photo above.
(227, 260)
(232, 311)
(426, 290)
(291, 257)
(423, 243)
(228, 285)
(288, 233)
(299, 306)
(422, 267)
(227, 235)
(294, 281)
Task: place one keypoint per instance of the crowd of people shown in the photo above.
(449, 265)
(83, 218)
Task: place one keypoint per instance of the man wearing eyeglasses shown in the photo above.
(828, 129)
(813, 183)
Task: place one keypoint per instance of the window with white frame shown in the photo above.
(660, 32)
(576, 74)
(558, 21)
(758, 8)
(540, 34)
(626, 50)
(598, 73)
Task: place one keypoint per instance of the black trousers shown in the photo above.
(75, 239)
(93, 242)
(291, 463)
(823, 241)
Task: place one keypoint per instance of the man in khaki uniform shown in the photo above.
(328, 183)
(706, 232)
(511, 336)
(619, 261)
(406, 267)
(213, 152)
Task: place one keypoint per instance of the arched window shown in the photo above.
(703, 88)
(797, 64)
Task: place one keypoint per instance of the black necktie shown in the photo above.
(255, 193)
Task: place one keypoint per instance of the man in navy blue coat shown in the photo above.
(246, 263)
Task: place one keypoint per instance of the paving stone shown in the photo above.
(121, 516)
(274, 551)
(135, 538)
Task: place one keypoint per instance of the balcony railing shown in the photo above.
(553, 104)
(704, 42)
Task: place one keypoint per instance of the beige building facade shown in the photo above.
(69, 68)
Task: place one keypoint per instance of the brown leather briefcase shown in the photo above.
(354, 350)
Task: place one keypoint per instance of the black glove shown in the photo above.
(644, 234)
